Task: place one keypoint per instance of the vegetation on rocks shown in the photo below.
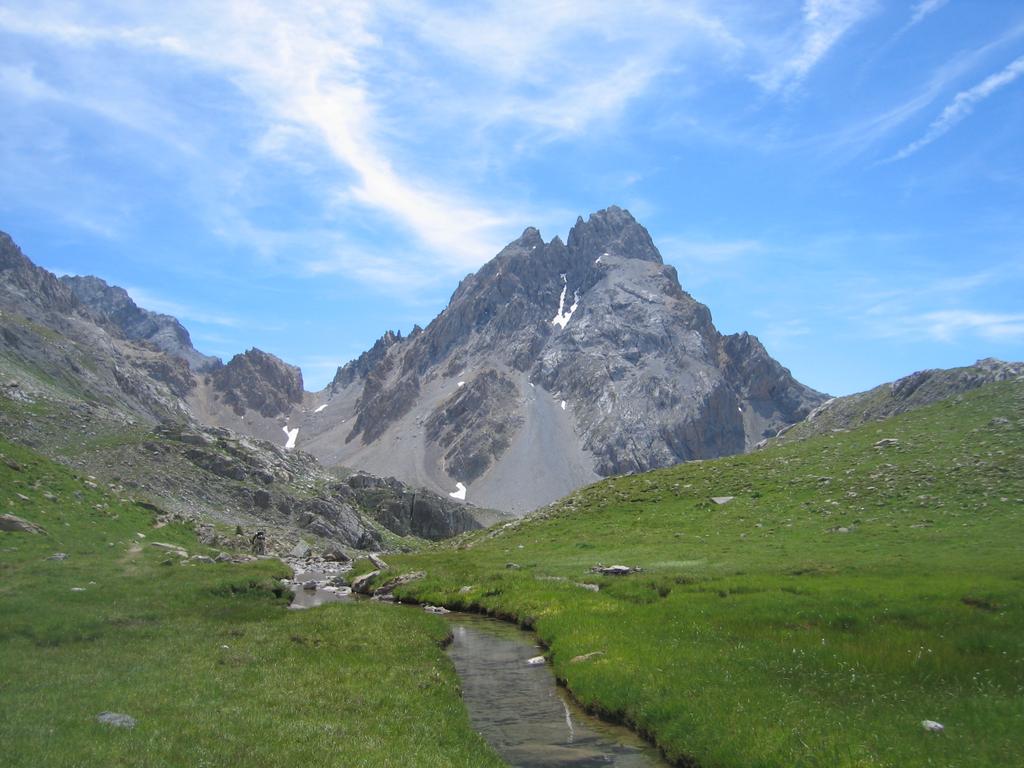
(856, 585)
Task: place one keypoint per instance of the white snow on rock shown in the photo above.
(563, 405)
(461, 384)
(320, 408)
(292, 434)
(562, 318)
(459, 492)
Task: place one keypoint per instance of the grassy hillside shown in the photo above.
(205, 656)
(856, 585)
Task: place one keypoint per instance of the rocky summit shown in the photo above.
(555, 364)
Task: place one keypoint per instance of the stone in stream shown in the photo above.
(535, 661)
(437, 609)
(310, 585)
(17, 524)
(116, 719)
(335, 554)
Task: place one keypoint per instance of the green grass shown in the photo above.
(758, 633)
(206, 657)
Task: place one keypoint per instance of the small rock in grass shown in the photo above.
(887, 442)
(58, 556)
(589, 587)
(116, 719)
(223, 557)
(378, 563)
(513, 566)
(440, 611)
(16, 524)
(535, 661)
(465, 590)
(585, 657)
(78, 589)
(932, 727)
(722, 499)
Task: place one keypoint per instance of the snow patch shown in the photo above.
(320, 408)
(563, 405)
(562, 318)
(292, 434)
(459, 492)
(461, 384)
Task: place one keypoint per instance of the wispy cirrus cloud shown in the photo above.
(824, 24)
(923, 9)
(962, 106)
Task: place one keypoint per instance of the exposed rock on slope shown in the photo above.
(554, 364)
(113, 304)
(913, 391)
(58, 347)
(259, 381)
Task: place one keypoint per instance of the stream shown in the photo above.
(517, 707)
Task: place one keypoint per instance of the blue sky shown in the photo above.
(845, 180)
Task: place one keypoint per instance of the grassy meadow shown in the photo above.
(851, 589)
(206, 657)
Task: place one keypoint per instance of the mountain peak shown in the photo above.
(615, 232)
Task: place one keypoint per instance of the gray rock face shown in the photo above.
(114, 305)
(260, 381)
(554, 364)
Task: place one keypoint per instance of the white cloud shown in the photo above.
(147, 300)
(925, 8)
(823, 24)
(962, 106)
(948, 325)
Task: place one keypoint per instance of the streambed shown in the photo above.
(518, 707)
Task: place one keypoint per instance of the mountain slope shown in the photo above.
(556, 363)
(909, 393)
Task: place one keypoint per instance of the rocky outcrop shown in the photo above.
(113, 305)
(407, 511)
(475, 425)
(259, 381)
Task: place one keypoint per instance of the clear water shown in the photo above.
(520, 710)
